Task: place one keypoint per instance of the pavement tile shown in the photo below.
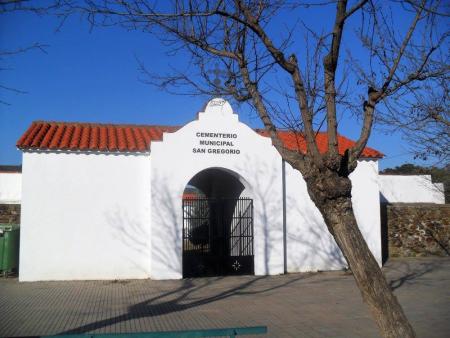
(325, 304)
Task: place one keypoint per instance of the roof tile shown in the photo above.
(35, 127)
(75, 137)
(49, 136)
(146, 135)
(25, 135)
(103, 138)
(56, 139)
(84, 140)
(112, 138)
(129, 137)
(93, 138)
(121, 141)
(67, 137)
(40, 134)
(140, 141)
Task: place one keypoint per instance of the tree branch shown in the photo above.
(375, 96)
(330, 65)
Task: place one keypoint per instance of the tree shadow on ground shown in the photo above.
(406, 273)
(183, 298)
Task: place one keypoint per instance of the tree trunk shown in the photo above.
(336, 208)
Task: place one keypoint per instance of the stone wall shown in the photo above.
(416, 229)
(10, 213)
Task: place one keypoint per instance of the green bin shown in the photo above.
(9, 248)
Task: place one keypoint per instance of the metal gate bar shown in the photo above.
(217, 236)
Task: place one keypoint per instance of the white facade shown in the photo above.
(310, 246)
(119, 216)
(10, 188)
(84, 216)
(410, 189)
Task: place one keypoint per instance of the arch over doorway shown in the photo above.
(217, 225)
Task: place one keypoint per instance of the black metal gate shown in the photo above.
(217, 237)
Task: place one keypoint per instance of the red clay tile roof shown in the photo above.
(44, 135)
(91, 136)
(295, 141)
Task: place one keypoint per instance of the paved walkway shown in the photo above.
(324, 304)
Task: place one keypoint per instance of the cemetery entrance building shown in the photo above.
(212, 197)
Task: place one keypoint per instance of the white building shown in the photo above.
(410, 189)
(10, 184)
(106, 202)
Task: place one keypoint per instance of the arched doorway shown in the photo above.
(217, 226)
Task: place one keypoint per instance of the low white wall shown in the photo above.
(85, 216)
(366, 204)
(410, 189)
(10, 188)
(310, 246)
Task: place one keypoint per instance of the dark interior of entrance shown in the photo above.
(217, 226)
(217, 183)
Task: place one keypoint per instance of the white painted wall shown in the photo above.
(10, 188)
(258, 166)
(366, 204)
(410, 189)
(85, 216)
(116, 216)
(310, 247)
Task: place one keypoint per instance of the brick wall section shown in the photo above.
(418, 229)
(10, 213)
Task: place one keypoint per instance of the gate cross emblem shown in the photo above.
(236, 265)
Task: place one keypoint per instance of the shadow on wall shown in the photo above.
(314, 245)
(310, 245)
(132, 233)
(410, 189)
(168, 233)
(366, 232)
(267, 210)
(258, 181)
(135, 233)
(437, 190)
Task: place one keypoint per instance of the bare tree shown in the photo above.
(304, 89)
(7, 6)
(418, 99)
(425, 122)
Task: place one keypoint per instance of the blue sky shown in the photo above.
(92, 76)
